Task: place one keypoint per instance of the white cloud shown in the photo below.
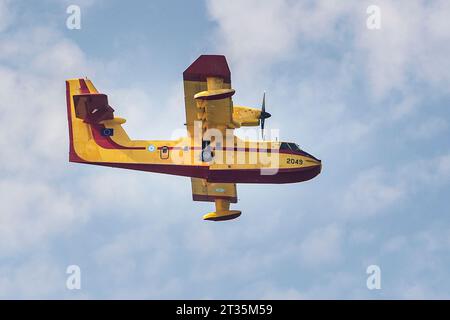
(370, 193)
(322, 246)
(154, 117)
(411, 47)
(259, 33)
(281, 294)
(36, 278)
(6, 16)
(430, 172)
(429, 128)
(33, 137)
(374, 190)
(395, 244)
(32, 210)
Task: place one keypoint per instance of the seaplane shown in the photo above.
(211, 154)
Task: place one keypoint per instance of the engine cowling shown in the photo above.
(246, 116)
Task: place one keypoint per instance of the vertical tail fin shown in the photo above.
(92, 125)
(76, 126)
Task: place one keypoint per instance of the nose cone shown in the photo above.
(265, 115)
(317, 162)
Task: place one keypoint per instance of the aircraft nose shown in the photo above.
(318, 162)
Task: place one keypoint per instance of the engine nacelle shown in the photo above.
(245, 116)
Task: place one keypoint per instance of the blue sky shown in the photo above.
(372, 104)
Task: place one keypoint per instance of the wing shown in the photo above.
(207, 191)
(222, 194)
(207, 93)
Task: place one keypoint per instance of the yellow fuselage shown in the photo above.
(237, 161)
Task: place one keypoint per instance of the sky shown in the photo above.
(371, 103)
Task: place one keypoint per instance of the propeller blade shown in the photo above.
(263, 109)
(262, 128)
(264, 115)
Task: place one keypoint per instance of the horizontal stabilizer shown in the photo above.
(93, 107)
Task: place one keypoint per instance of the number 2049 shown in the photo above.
(294, 161)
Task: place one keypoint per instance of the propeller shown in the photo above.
(264, 115)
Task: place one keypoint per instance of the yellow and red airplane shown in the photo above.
(211, 155)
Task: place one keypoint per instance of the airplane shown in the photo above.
(211, 154)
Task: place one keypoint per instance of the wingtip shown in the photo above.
(222, 215)
(208, 65)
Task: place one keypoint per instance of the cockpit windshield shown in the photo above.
(285, 146)
(293, 147)
(289, 146)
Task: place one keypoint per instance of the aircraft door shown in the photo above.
(164, 153)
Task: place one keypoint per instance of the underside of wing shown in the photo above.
(222, 194)
(207, 191)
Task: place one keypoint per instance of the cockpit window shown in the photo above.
(289, 146)
(285, 146)
(294, 147)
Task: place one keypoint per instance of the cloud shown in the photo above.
(258, 36)
(36, 278)
(322, 246)
(281, 294)
(370, 193)
(376, 189)
(429, 128)
(259, 33)
(6, 16)
(395, 59)
(31, 211)
(33, 118)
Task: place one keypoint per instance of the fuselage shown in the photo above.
(242, 162)
(230, 161)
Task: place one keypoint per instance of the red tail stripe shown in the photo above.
(107, 142)
(83, 86)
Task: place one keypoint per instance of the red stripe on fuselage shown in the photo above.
(245, 150)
